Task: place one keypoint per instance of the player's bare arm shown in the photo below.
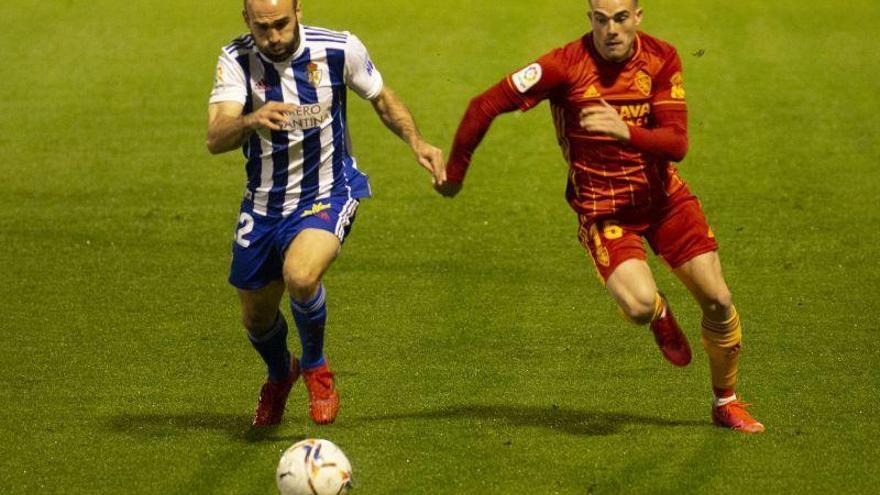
(604, 119)
(399, 120)
(228, 128)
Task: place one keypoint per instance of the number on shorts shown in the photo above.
(247, 226)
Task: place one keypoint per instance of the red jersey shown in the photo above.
(606, 175)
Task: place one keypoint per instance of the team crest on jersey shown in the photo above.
(315, 74)
(525, 79)
(643, 83)
(317, 209)
(219, 77)
(677, 91)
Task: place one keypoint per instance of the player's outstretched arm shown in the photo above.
(400, 121)
(475, 123)
(228, 128)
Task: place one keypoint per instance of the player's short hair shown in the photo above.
(245, 2)
(635, 3)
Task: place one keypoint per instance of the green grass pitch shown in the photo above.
(475, 349)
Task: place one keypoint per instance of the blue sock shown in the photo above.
(310, 318)
(273, 349)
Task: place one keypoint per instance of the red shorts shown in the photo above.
(677, 232)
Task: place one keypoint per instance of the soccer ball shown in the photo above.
(313, 467)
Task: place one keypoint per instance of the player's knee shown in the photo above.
(718, 305)
(302, 283)
(639, 310)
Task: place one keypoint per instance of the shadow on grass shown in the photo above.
(571, 421)
(237, 426)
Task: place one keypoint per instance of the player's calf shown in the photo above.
(722, 341)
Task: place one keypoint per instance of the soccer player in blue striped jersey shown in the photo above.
(280, 95)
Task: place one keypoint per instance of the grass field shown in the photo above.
(476, 351)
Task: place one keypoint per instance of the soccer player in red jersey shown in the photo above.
(618, 103)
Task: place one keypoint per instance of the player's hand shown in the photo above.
(431, 158)
(604, 119)
(448, 189)
(274, 115)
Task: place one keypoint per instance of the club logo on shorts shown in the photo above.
(315, 74)
(525, 79)
(602, 256)
(643, 83)
(597, 251)
(316, 209)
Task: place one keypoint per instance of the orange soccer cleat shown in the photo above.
(323, 397)
(671, 340)
(273, 398)
(733, 415)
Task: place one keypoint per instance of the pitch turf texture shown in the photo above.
(476, 352)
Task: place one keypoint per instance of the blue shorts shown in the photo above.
(260, 241)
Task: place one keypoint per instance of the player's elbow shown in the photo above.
(679, 150)
(476, 105)
(215, 147)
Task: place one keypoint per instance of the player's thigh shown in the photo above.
(685, 241)
(311, 238)
(259, 307)
(703, 277)
(618, 252)
(309, 256)
(682, 233)
(256, 259)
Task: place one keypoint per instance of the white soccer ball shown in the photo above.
(313, 467)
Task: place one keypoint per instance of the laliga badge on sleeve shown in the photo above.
(677, 82)
(525, 79)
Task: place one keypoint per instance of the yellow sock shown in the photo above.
(659, 307)
(722, 341)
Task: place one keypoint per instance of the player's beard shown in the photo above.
(281, 51)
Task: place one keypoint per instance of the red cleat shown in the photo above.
(672, 342)
(323, 397)
(733, 415)
(273, 398)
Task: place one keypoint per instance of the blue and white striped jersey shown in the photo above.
(311, 158)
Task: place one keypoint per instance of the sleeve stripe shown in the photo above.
(326, 40)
